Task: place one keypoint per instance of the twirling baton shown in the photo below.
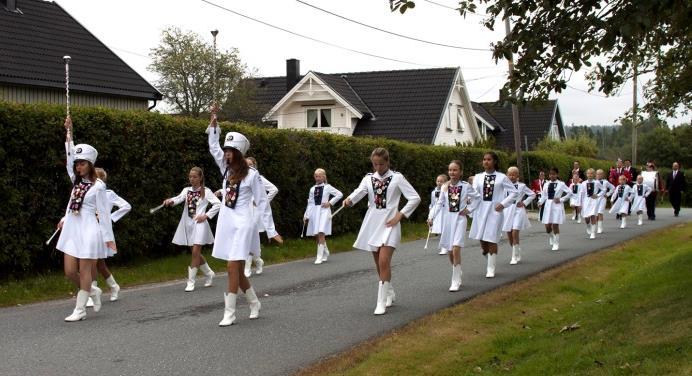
(52, 236)
(338, 210)
(154, 210)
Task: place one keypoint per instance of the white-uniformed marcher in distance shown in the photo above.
(272, 191)
(640, 191)
(436, 228)
(515, 217)
(380, 232)
(85, 237)
(555, 193)
(575, 199)
(236, 230)
(621, 199)
(318, 213)
(495, 193)
(450, 210)
(193, 229)
(609, 189)
(591, 192)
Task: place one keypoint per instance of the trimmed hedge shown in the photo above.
(535, 161)
(147, 157)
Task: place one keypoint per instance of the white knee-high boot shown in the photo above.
(95, 295)
(391, 296)
(115, 288)
(623, 222)
(600, 227)
(229, 309)
(90, 301)
(514, 260)
(248, 266)
(640, 220)
(79, 312)
(320, 254)
(208, 273)
(254, 303)
(191, 275)
(259, 265)
(556, 242)
(592, 231)
(381, 306)
(490, 271)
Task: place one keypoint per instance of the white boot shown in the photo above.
(325, 255)
(381, 307)
(259, 265)
(248, 266)
(320, 254)
(79, 312)
(592, 231)
(95, 294)
(551, 239)
(456, 278)
(115, 288)
(578, 218)
(600, 227)
(191, 274)
(254, 303)
(623, 222)
(640, 220)
(514, 256)
(443, 251)
(518, 248)
(208, 273)
(490, 272)
(556, 242)
(391, 296)
(229, 309)
(90, 301)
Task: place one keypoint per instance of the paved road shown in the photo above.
(308, 312)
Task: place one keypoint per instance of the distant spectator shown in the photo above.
(653, 181)
(676, 185)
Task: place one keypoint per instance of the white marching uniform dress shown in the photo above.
(448, 211)
(493, 188)
(272, 191)
(84, 235)
(609, 188)
(641, 192)
(236, 231)
(123, 206)
(319, 218)
(515, 218)
(554, 213)
(589, 203)
(189, 232)
(621, 199)
(384, 194)
(437, 219)
(575, 200)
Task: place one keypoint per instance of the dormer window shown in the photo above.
(319, 118)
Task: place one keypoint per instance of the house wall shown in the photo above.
(451, 131)
(30, 95)
(554, 133)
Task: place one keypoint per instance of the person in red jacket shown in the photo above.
(537, 187)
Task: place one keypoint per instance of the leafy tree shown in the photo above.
(580, 145)
(608, 39)
(185, 64)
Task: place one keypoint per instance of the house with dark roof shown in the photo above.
(536, 121)
(429, 106)
(36, 35)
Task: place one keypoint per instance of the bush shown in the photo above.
(581, 145)
(534, 161)
(148, 156)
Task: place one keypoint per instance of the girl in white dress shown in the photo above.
(236, 230)
(515, 217)
(575, 199)
(380, 232)
(436, 228)
(495, 193)
(609, 189)
(450, 210)
(84, 237)
(193, 230)
(272, 191)
(554, 194)
(641, 192)
(591, 192)
(318, 214)
(621, 199)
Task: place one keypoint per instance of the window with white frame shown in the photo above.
(460, 119)
(449, 117)
(319, 118)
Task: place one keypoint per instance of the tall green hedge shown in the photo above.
(534, 161)
(148, 156)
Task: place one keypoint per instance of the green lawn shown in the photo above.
(55, 286)
(624, 311)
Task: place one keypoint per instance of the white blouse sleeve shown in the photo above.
(260, 197)
(214, 201)
(438, 203)
(311, 203)
(412, 197)
(69, 151)
(215, 148)
(511, 191)
(530, 195)
(177, 200)
(567, 193)
(270, 188)
(475, 197)
(123, 206)
(336, 193)
(361, 191)
(105, 224)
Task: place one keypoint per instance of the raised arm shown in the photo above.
(215, 147)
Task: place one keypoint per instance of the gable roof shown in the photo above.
(401, 104)
(535, 120)
(35, 40)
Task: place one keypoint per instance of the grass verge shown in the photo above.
(54, 285)
(623, 311)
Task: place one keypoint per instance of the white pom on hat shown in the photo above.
(237, 141)
(85, 152)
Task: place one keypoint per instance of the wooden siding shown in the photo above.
(25, 94)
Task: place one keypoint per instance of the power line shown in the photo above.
(595, 94)
(315, 39)
(456, 9)
(391, 32)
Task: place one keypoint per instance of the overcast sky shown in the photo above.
(132, 27)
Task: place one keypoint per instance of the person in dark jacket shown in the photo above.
(676, 185)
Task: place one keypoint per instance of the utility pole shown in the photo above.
(515, 109)
(634, 116)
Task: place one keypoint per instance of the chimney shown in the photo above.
(292, 73)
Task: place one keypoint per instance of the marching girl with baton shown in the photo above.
(380, 232)
(84, 238)
(318, 214)
(272, 191)
(553, 197)
(454, 196)
(236, 230)
(436, 227)
(193, 230)
(496, 192)
(515, 217)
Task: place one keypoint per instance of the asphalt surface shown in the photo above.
(308, 311)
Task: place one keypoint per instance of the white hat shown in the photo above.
(84, 152)
(237, 141)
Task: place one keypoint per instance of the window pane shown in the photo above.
(326, 119)
(312, 118)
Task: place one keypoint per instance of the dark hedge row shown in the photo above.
(148, 156)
